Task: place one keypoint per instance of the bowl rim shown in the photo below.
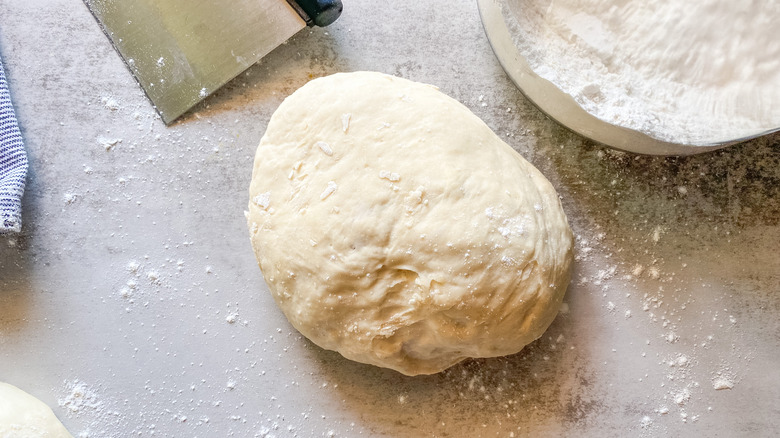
(564, 110)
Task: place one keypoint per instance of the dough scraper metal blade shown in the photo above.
(180, 51)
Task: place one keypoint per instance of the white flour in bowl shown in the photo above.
(693, 72)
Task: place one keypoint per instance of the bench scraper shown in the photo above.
(180, 51)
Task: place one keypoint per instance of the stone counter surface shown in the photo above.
(131, 303)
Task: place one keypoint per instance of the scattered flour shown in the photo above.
(99, 416)
(70, 198)
(722, 382)
(723, 379)
(108, 143)
(110, 103)
(80, 398)
(681, 397)
(153, 276)
(133, 266)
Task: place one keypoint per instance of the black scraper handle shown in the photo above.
(318, 12)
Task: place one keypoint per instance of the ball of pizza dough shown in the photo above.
(24, 416)
(393, 226)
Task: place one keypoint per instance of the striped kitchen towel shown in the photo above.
(13, 163)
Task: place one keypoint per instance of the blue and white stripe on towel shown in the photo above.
(13, 163)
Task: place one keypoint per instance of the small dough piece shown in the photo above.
(393, 226)
(24, 416)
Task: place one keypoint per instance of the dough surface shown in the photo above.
(24, 416)
(393, 226)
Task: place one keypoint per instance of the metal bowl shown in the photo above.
(562, 108)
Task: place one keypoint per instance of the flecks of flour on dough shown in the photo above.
(329, 190)
(405, 97)
(414, 199)
(512, 226)
(325, 148)
(296, 167)
(263, 200)
(390, 176)
(345, 119)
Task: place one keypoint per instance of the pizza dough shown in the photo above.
(393, 226)
(24, 416)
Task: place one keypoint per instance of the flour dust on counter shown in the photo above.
(110, 102)
(80, 398)
(647, 268)
(680, 376)
(166, 296)
(108, 143)
(99, 416)
(160, 358)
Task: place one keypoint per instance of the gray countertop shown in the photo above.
(116, 300)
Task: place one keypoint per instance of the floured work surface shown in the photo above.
(131, 303)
